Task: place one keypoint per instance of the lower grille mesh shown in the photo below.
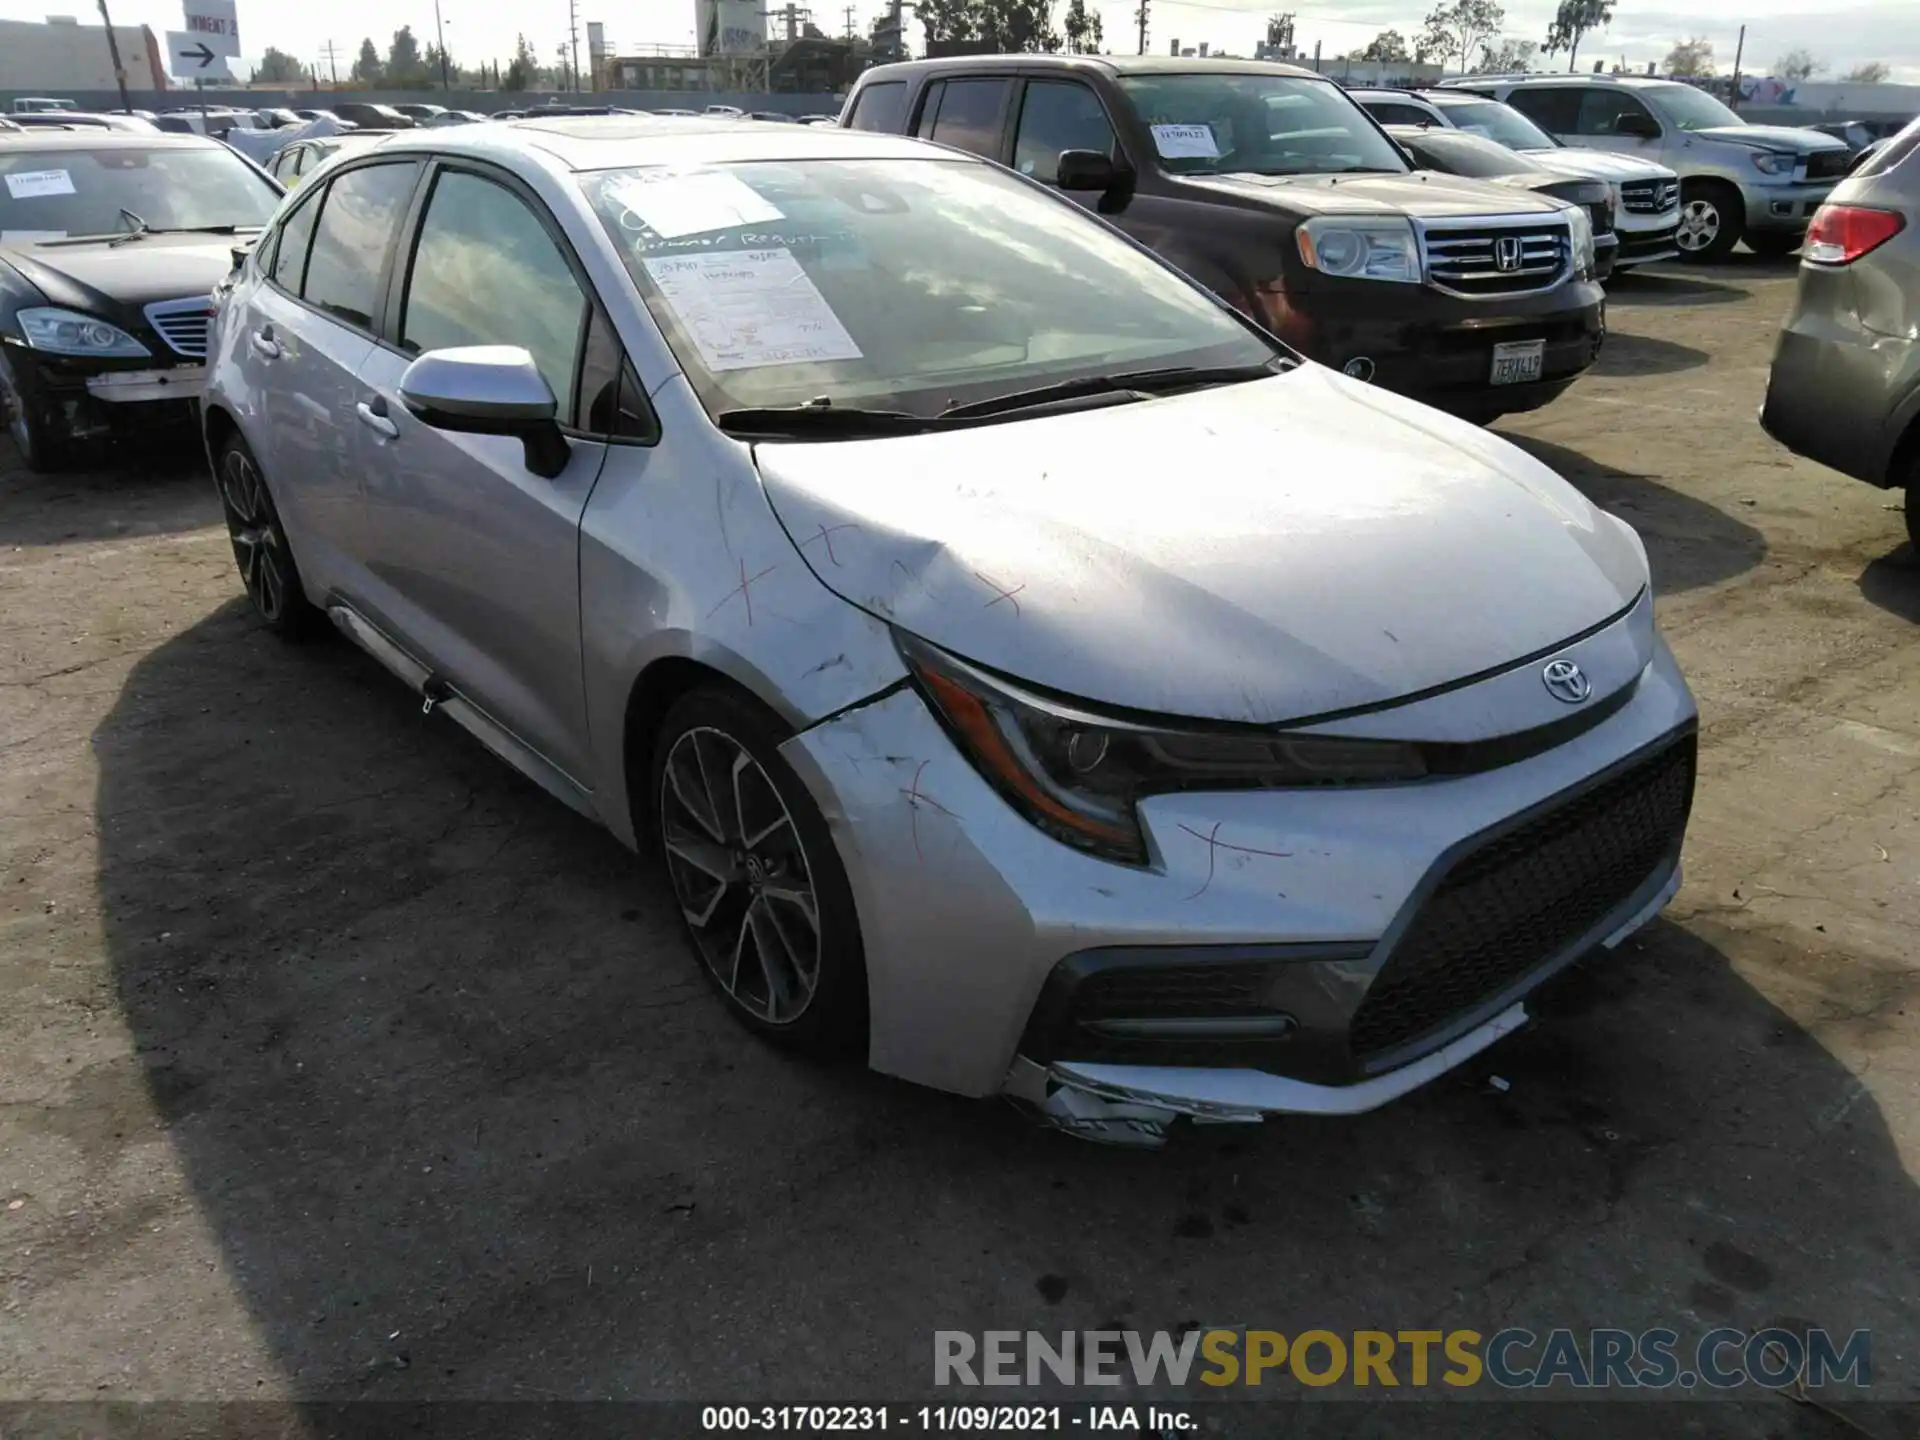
(1522, 898)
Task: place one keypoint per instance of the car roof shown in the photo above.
(104, 140)
(1631, 81)
(1108, 64)
(618, 141)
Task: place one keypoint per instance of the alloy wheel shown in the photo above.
(740, 874)
(1699, 225)
(257, 547)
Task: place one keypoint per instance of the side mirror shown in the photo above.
(1640, 127)
(489, 390)
(1086, 170)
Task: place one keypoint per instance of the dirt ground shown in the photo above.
(338, 1062)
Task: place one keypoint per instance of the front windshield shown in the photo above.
(50, 194)
(894, 284)
(1499, 122)
(1218, 124)
(1468, 155)
(1689, 108)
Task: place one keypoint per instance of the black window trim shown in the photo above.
(394, 290)
(382, 290)
(862, 91)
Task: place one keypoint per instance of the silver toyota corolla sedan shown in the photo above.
(1025, 671)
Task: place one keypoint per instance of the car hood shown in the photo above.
(100, 277)
(1259, 552)
(1424, 193)
(1597, 164)
(1772, 137)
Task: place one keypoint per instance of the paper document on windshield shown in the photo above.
(1185, 142)
(31, 184)
(749, 308)
(675, 203)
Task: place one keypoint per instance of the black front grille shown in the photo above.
(1517, 902)
(1649, 197)
(1497, 260)
(1827, 164)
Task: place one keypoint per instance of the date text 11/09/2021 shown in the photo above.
(976, 1419)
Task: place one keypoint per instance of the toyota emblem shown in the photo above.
(1566, 681)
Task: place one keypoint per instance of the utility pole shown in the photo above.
(1141, 16)
(332, 52)
(113, 49)
(573, 37)
(440, 34)
(849, 14)
(1740, 49)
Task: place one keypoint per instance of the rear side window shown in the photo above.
(1390, 114)
(1555, 110)
(880, 107)
(1601, 109)
(290, 252)
(358, 219)
(1893, 152)
(969, 115)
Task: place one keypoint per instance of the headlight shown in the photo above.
(1769, 162)
(1582, 229)
(1364, 248)
(1618, 196)
(1077, 775)
(68, 332)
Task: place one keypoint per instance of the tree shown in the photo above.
(1874, 72)
(1006, 27)
(404, 70)
(1573, 19)
(280, 67)
(1691, 57)
(366, 70)
(1455, 31)
(1081, 27)
(1389, 47)
(1798, 64)
(439, 64)
(522, 71)
(1503, 55)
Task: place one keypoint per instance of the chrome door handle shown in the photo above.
(264, 344)
(375, 421)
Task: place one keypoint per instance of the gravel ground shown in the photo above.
(336, 1062)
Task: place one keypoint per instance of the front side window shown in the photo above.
(1058, 116)
(1601, 109)
(895, 284)
(1220, 124)
(56, 193)
(359, 217)
(969, 116)
(880, 108)
(1689, 108)
(1554, 108)
(1500, 123)
(1388, 113)
(487, 272)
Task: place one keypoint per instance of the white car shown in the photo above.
(1646, 197)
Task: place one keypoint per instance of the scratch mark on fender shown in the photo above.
(744, 590)
(1000, 592)
(1215, 845)
(915, 798)
(826, 534)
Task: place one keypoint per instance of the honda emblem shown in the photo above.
(1507, 252)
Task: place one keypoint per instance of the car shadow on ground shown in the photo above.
(465, 1121)
(1893, 582)
(160, 488)
(1625, 354)
(1689, 542)
(1659, 286)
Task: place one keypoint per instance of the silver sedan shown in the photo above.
(1024, 671)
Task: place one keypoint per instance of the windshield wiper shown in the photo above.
(140, 229)
(1132, 384)
(228, 229)
(820, 418)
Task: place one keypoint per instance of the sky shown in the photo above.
(1841, 33)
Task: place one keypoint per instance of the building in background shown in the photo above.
(59, 54)
(730, 27)
(597, 55)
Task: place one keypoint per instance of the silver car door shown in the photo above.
(305, 330)
(474, 558)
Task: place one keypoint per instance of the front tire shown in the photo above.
(44, 448)
(756, 875)
(260, 546)
(1712, 218)
(1913, 510)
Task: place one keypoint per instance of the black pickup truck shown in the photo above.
(1267, 184)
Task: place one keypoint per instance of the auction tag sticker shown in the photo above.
(750, 308)
(674, 203)
(30, 184)
(1185, 142)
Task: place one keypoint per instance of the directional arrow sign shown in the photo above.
(212, 23)
(189, 55)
